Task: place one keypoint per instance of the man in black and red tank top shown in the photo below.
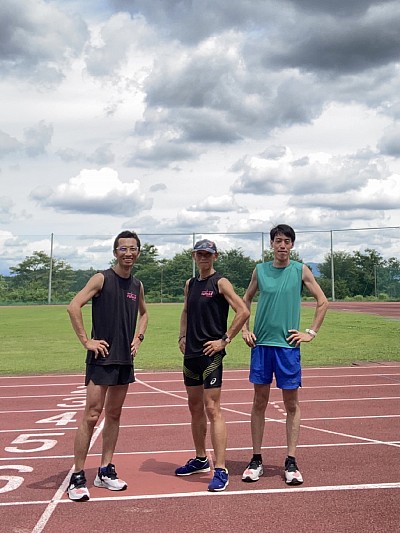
(117, 300)
(202, 339)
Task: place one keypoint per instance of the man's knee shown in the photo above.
(260, 399)
(212, 402)
(92, 416)
(291, 404)
(113, 413)
(196, 404)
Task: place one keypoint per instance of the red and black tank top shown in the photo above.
(207, 314)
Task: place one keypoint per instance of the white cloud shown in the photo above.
(97, 192)
(219, 204)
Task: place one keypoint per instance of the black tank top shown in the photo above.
(114, 315)
(207, 314)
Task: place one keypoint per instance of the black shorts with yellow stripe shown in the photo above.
(203, 370)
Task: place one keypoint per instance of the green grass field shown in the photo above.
(40, 340)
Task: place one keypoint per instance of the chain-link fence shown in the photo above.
(89, 253)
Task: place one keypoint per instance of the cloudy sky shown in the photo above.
(198, 116)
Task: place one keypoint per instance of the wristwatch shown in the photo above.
(141, 337)
(226, 338)
(311, 332)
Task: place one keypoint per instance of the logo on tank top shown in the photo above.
(208, 294)
(131, 296)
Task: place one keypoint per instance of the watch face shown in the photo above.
(141, 337)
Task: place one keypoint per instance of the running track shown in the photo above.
(349, 456)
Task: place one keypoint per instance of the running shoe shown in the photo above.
(253, 471)
(108, 479)
(292, 473)
(193, 466)
(220, 480)
(77, 490)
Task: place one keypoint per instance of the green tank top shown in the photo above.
(278, 308)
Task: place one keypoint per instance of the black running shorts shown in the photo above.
(203, 370)
(109, 374)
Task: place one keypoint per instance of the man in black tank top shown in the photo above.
(117, 300)
(202, 340)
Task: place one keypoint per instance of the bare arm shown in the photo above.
(247, 335)
(241, 315)
(142, 323)
(320, 309)
(93, 287)
(183, 322)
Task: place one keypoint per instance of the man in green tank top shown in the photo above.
(275, 344)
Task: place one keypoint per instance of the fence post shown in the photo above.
(332, 269)
(193, 261)
(50, 269)
(262, 247)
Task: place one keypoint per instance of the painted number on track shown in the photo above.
(28, 438)
(13, 482)
(59, 420)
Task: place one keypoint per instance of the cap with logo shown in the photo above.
(206, 246)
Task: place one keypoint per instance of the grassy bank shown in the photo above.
(40, 340)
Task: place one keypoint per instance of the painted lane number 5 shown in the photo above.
(33, 438)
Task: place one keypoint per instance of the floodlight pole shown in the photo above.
(262, 247)
(193, 261)
(332, 269)
(50, 269)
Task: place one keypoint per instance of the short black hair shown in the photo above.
(285, 230)
(126, 235)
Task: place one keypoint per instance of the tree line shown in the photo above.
(356, 275)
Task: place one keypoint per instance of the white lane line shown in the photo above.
(230, 449)
(308, 373)
(206, 494)
(236, 389)
(178, 405)
(46, 515)
(283, 421)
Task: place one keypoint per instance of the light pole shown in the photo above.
(332, 269)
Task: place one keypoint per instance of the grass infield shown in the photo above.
(40, 340)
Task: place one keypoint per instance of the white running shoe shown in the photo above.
(108, 479)
(77, 490)
(292, 473)
(253, 471)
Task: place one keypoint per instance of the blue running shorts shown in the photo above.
(283, 362)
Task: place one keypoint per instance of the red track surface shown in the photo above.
(348, 454)
(389, 309)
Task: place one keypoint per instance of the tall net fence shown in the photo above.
(166, 261)
(388, 282)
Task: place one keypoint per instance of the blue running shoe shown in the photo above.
(220, 480)
(193, 466)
